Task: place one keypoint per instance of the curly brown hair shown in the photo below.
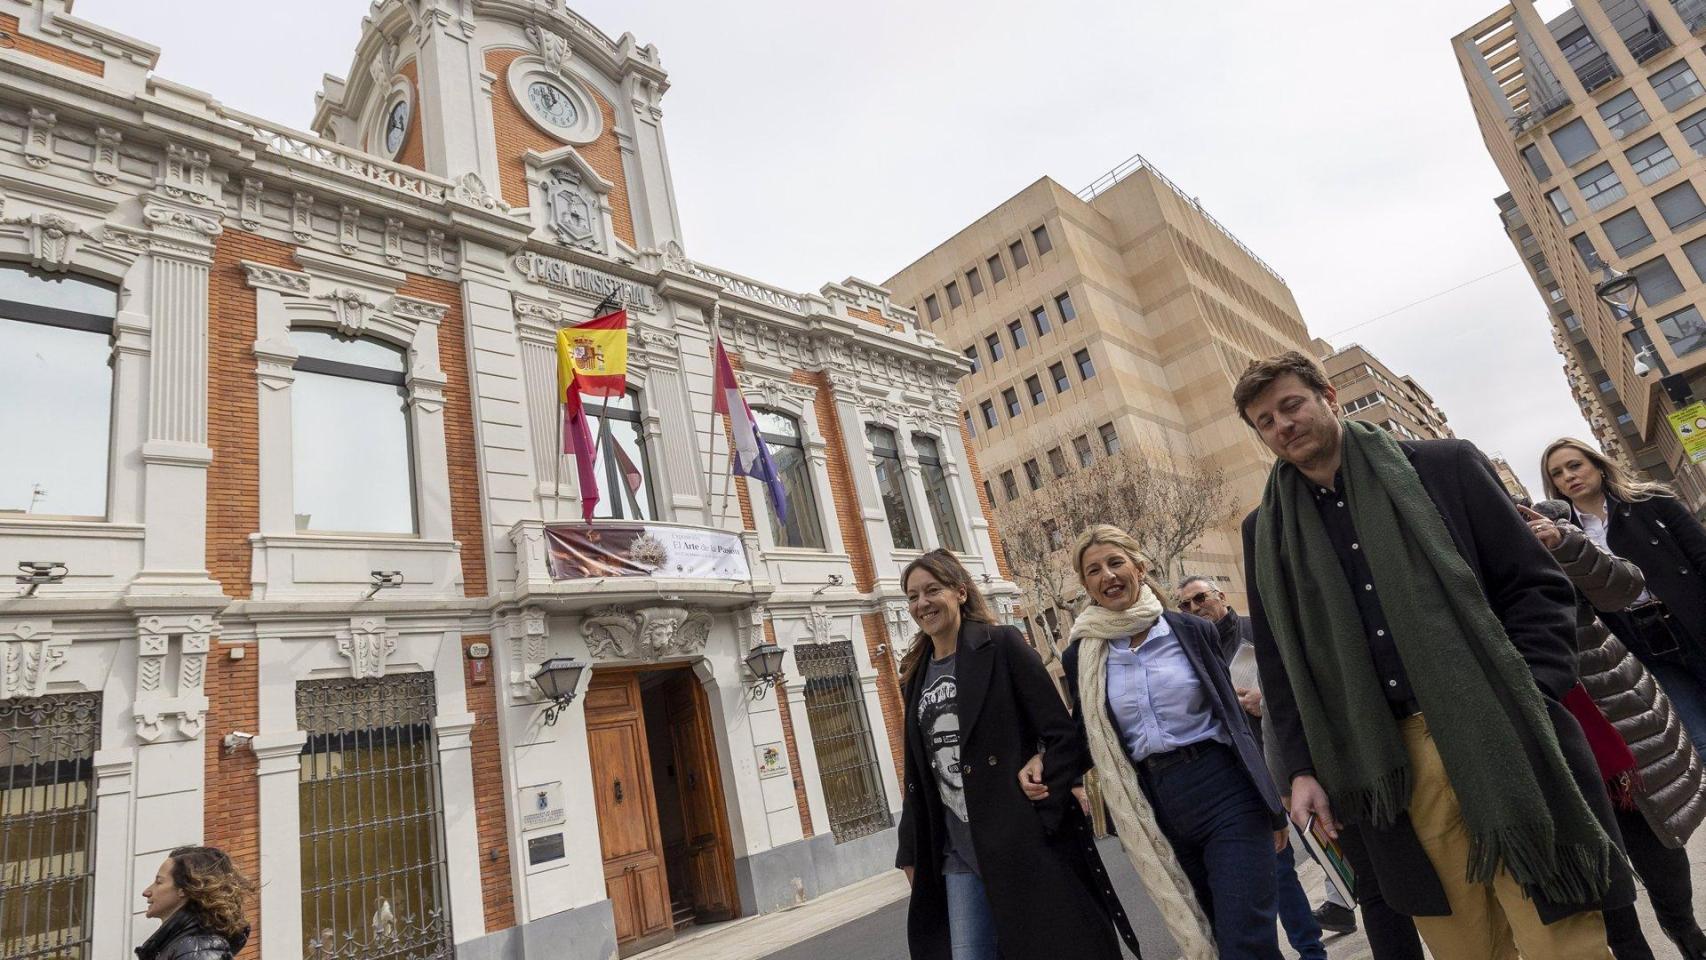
(213, 888)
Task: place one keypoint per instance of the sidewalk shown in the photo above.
(751, 938)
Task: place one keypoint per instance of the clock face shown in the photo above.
(553, 103)
(396, 125)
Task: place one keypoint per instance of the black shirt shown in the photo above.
(1336, 516)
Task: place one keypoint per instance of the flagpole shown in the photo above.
(557, 483)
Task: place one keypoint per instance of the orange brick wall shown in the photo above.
(781, 695)
(491, 816)
(11, 38)
(516, 135)
(984, 504)
(413, 153)
(231, 811)
(466, 520)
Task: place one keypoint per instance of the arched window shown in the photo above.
(891, 486)
(56, 388)
(624, 474)
(781, 434)
(352, 463)
(936, 493)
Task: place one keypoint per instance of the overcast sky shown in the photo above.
(810, 142)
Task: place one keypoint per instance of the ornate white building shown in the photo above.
(283, 462)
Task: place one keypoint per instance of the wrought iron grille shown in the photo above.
(47, 825)
(841, 735)
(373, 864)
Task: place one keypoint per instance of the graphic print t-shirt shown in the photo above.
(939, 719)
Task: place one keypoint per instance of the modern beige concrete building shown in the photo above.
(1370, 391)
(1121, 314)
(1595, 114)
(1507, 476)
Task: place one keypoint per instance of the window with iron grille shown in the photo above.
(372, 821)
(841, 737)
(47, 825)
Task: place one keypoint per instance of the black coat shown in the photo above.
(1201, 642)
(1537, 606)
(184, 937)
(1661, 537)
(1044, 881)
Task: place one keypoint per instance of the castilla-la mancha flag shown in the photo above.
(592, 360)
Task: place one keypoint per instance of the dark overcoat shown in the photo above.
(1202, 644)
(1537, 606)
(1662, 538)
(1046, 886)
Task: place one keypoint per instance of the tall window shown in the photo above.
(1063, 303)
(1040, 237)
(1584, 247)
(1695, 251)
(932, 308)
(1561, 203)
(1016, 330)
(1693, 129)
(971, 429)
(1627, 232)
(1110, 439)
(56, 385)
(1081, 449)
(1010, 398)
(841, 738)
(936, 493)
(997, 272)
(1086, 369)
(372, 820)
(971, 354)
(1016, 250)
(1039, 319)
(993, 342)
(352, 466)
(1033, 475)
(1056, 462)
(1537, 163)
(953, 294)
(1034, 387)
(47, 825)
(782, 435)
(1009, 485)
(1057, 373)
(974, 281)
(891, 486)
(624, 472)
(988, 410)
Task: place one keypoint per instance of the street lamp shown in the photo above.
(764, 663)
(558, 678)
(1622, 294)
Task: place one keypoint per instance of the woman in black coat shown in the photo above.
(197, 894)
(992, 874)
(1647, 525)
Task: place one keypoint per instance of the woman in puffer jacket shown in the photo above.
(197, 895)
(1662, 800)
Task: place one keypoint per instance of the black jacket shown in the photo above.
(1537, 606)
(1201, 641)
(184, 937)
(1046, 886)
(1661, 537)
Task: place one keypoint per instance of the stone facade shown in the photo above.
(443, 214)
(1370, 391)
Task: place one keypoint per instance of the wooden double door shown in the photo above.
(626, 790)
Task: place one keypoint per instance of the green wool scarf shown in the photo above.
(1522, 808)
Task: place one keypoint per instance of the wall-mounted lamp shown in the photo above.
(384, 580)
(558, 678)
(764, 665)
(34, 573)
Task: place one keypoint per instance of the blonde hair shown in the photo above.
(1619, 484)
(1110, 535)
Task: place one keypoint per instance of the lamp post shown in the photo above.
(1622, 294)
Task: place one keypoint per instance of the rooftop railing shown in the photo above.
(318, 151)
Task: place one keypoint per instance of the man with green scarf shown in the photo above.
(1414, 647)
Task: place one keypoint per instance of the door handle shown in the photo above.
(618, 791)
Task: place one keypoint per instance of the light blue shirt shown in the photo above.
(1157, 699)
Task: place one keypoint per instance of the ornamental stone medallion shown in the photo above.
(651, 633)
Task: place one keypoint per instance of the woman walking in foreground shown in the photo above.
(198, 896)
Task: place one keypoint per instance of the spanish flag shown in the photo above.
(593, 356)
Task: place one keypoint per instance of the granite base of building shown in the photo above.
(583, 933)
(794, 873)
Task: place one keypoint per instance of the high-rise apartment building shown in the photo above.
(1370, 391)
(1122, 314)
(1595, 114)
(1507, 476)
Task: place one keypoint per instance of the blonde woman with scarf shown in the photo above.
(1191, 798)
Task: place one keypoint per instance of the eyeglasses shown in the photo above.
(1193, 601)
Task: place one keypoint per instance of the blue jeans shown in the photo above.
(1295, 914)
(1683, 684)
(971, 926)
(1218, 825)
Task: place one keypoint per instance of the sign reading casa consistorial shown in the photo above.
(319, 580)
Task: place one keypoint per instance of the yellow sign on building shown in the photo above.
(1689, 424)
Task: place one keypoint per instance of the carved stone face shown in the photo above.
(660, 634)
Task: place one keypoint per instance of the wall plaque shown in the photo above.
(541, 805)
(544, 849)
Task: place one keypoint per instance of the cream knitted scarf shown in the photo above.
(1140, 833)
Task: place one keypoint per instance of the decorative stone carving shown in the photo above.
(52, 238)
(417, 311)
(572, 209)
(470, 189)
(393, 241)
(552, 48)
(349, 221)
(184, 175)
(818, 622)
(249, 212)
(900, 628)
(105, 167)
(368, 643)
(38, 138)
(651, 633)
(267, 277)
(352, 308)
(189, 222)
(28, 653)
(435, 252)
(675, 258)
(527, 650)
(162, 699)
(302, 216)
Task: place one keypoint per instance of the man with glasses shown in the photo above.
(1202, 596)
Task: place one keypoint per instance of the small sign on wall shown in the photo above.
(544, 849)
(772, 760)
(541, 805)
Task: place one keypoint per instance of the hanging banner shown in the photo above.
(1689, 425)
(577, 552)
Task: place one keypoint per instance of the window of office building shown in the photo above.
(988, 410)
(996, 351)
(841, 739)
(1040, 237)
(1599, 186)
(1010, 400)
(1695, 251)
(953, 291)
(1627, 232)
(974, 281)
(1584, 247)
(783, 436)
(351, 456)
(1561, 203)
(1081, 449)
(1009, 485)
(47, 825)
(1033, 474)
(1085, 369)
(1680, 206)
(1676, 85)
(1057, 373)
(55, 343)
(971, 429)
(1574, 142)
(1057, 462)
(932, 309)
(1537, 163)
(971, 354)
(1685, 331)
(1656, 281)
(1016, 331)
(1063, 303)
(1110, 439)
(997, 272)
(625, 469)
(1622, 113)
(891, 485)
(1039, 320)
(1034, 387)
(1016, 250)
(936, 494)
(372, 819)
(1694, 131)
(1652, 160)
